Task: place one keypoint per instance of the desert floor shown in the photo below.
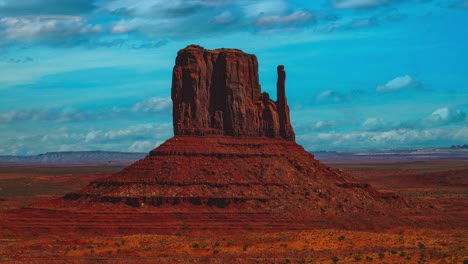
(442, 183)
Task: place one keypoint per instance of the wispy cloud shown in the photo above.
(46, 29)
(138, 138)
(396, 138)
(362, 22)
(155, 18)
(357, 4)
(153, 105)
(45, 7)
(445, 116)
(329, 96)
(292, 19)
(398, 84)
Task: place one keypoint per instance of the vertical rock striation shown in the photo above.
(218, 92)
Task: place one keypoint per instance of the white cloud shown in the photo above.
(397, 84)
(134, 132)
(328, 95)
(396, 138)
(92, 135)
(225, 17)
(372, 124)
(142, 146)
(444, 116)
(294, 18)
(121, 28)
(351, 4)
(153, 105)
(45, 29)
(163, 19)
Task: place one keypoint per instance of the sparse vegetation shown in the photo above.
(335, 259)
(284, 245)
(245, 247)
(195, 245)
(421, 245)
(149, 248)
(216, 251)
(381, 255)
(358, 257)
(341, 238)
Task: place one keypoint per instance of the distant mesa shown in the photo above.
(464, 146)
(218, 92)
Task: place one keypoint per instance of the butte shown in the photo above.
(233, 163)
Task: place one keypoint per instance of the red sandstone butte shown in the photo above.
(233, 163)
(233, 149)
(218, 92)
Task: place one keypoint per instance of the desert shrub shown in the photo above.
(216, 251)
(393, 251)
(284, 245)
(149, 248)
(341, 238)
(216, 244)
(335, 259)
(288, 261)
(92, 251)
(402, 254)
(122, 242)
(368, 259)
(421, 245)
(245, 247)
(195, 245)
(381, 255)
(358, 258)
(117, 244)
(465, 261)
(230, 243)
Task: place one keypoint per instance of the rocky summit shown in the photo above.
(217, 92)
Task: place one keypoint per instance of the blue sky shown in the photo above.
(362, 74)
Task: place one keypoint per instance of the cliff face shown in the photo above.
(218, 92)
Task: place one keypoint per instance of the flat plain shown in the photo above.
(441, 237)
